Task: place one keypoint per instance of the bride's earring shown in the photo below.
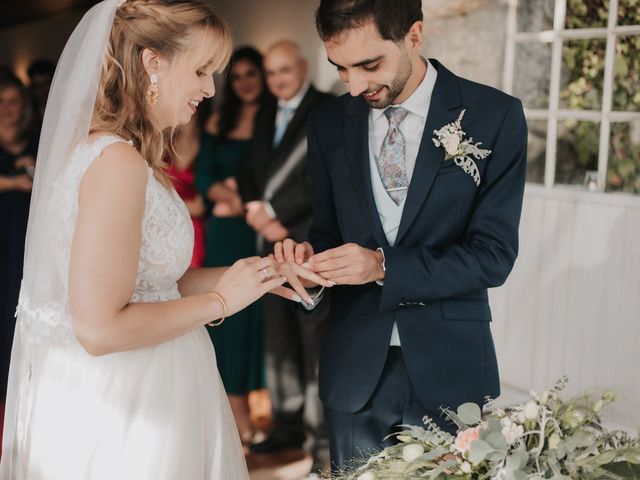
(153, 92)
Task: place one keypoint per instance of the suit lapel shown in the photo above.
(446, 101)
(356, 135)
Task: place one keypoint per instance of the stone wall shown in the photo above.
(468, 37)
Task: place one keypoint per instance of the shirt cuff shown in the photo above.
(270, 211)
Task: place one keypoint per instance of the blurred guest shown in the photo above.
(275, 186)
(239, 342)
(182, 172)
(18, 145)
(40, 74)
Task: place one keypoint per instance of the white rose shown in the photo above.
(531, 410)
(465, 467)
(367, 476)
(451, 144)
(512, 432)
(411, 452)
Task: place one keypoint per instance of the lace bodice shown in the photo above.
(165, 251)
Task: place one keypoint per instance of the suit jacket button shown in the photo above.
(421, 304)
(401, 304)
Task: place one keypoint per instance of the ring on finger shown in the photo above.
(265, 274)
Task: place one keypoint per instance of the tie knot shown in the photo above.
(396, 115)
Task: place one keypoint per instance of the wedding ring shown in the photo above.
(265, 274)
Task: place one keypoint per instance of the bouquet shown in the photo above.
(544, 438)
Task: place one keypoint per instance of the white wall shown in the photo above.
(467, 36)
(572, 303)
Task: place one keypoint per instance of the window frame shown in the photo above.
(553, 113)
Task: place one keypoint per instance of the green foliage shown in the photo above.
(583, 76)
(544, 438)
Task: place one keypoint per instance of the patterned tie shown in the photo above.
(391, 158)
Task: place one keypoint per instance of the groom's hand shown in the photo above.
(292, 252)
(349, 264)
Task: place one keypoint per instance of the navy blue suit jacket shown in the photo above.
(455, 240)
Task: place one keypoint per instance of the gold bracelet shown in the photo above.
(218, 322)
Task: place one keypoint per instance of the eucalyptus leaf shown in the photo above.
(496, 455)
(516, 460)
(470, 413)
(494, 424)
(632, 456)
(497, 441)
(626, 470)
(441, 468)
(520, 475)
(479, 451)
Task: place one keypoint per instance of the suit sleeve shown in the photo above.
(248, 185)
(325, 231)
(486, 254)
(298, 187)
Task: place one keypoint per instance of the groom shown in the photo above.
(413, 238)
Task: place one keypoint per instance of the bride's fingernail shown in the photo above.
(296, 298)
(333, 284)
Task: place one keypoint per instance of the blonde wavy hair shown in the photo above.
(163, 26)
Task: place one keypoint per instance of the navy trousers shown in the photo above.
(355, 436)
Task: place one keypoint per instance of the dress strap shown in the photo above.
(95, 148)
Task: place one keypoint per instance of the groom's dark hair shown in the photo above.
(393, 18)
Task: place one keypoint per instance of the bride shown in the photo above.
(113, 375)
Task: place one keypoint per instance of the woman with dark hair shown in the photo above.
(238, 343)
(18, 145)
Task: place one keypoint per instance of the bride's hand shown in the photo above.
(247, 280)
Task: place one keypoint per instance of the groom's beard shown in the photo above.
(392, 91)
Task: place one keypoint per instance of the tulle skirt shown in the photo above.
(158, 413)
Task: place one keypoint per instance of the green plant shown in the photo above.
(583, 62)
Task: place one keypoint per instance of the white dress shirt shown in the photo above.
(417, 104)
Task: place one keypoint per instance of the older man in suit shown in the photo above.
(275, 187)
(414, 220)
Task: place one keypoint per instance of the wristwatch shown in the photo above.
(382, 265)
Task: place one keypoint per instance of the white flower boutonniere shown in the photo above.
(459, 149)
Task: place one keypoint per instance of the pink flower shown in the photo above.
(465, 438)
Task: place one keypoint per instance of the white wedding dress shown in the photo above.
(158, 413)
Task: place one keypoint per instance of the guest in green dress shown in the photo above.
(239, 340)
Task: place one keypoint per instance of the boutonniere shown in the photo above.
(459, 149)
